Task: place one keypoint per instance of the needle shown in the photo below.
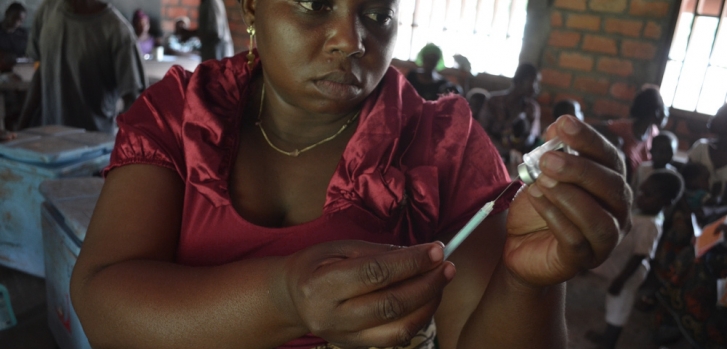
(473, 223)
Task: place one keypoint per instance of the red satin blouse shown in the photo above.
(412, 171)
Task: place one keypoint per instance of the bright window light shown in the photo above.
(697, 67)
(488, 32)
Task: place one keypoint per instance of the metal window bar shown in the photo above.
(711, 51)
(689, 40)
(496, 5)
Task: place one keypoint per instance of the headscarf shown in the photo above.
(429, 49)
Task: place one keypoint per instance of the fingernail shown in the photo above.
(534, 191)
(436, 254)
(570, 126)
(552, 162)
(449, 271)
(547, 181)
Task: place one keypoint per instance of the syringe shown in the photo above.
(473, 223)
(528, 171)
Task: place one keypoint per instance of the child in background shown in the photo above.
(628, 265)
(663, 148)
(567, 107)
(712, 153)
(646, 117)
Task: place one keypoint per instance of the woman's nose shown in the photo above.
(346, 36)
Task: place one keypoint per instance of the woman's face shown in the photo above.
(324, 56)
(141, 25)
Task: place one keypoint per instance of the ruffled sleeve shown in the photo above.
(421, 168)
(150, 131)
(471, 170)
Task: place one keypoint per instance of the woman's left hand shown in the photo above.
(570, 219)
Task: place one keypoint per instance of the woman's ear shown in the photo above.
(248, 11)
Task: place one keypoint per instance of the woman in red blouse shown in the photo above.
(262, 204)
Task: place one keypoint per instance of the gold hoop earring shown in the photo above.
(250, 54)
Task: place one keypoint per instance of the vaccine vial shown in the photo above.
(529, 170)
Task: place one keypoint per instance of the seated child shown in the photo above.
(180, 43)
(663, 148)
(628, 265)
(567, 107)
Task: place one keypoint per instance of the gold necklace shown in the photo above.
(296, 152)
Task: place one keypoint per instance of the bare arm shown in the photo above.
(484, 299)
(566, 222)
(128, 293)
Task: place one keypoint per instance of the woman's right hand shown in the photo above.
(359, 294)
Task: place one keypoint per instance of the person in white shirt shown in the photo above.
(628, 265)
(663, 148)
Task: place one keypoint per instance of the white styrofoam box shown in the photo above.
(93, 140)
(66, 214)
(20, 137)
(53, 130)
(48, 150)
(21, 242)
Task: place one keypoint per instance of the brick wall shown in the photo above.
(600, 52)
(172, 9)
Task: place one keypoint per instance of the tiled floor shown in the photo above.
(584, 311)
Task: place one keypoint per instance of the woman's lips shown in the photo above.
(337, 90)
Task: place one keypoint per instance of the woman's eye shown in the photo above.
(381, 18)
(314, 6)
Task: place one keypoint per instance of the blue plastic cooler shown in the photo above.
(36, 155)
(65, 216)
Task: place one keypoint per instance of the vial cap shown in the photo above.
(522, 171)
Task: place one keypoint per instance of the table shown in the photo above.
(156, 69)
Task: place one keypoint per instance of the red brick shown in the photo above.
(193, 14)
(592, 85)
(611, 6)
(550, 58)
(556, 19)
(238, 28)
(638, 50)
(190, 3)
(600, 44)
(177, 11)
(652, 30)
(555, 78)
(585, 22)
(607, 107)
(170, 2)
(623, 91)
(167, 26)
(576, 61)
(239, 44)
(615, 66)
(559, 38)
(624, 27)
(579, 5)
(545, 99)
(235, 15)
(647, 8)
